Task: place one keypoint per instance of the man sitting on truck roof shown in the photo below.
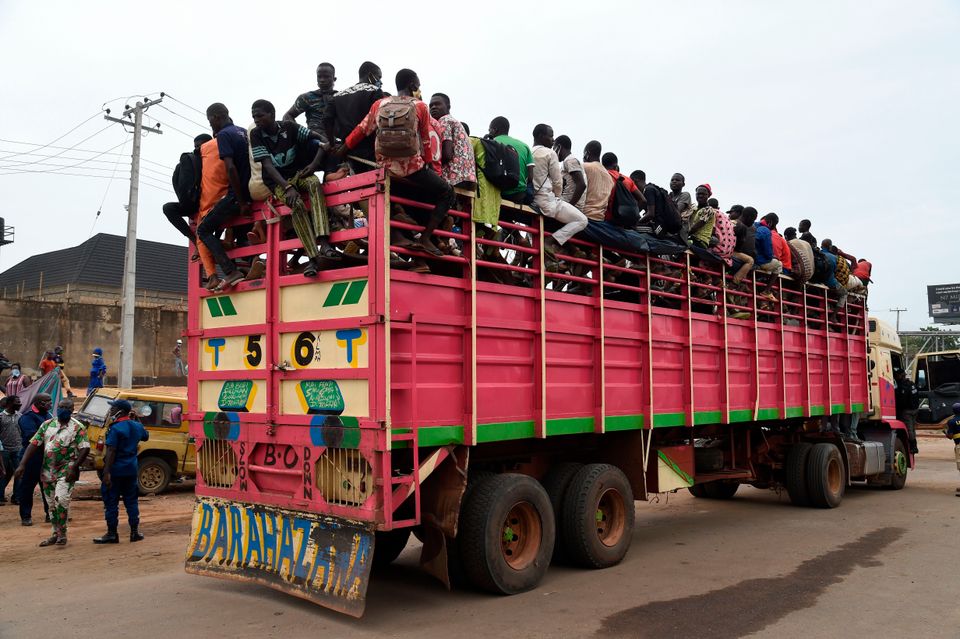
(314, 102)
(657, 218)
(680, 197)
(574, 180)
(499, 130)
(548, 187)
(459, 167)
(415, 167)
(599, 183)
(745, 249)
(282, 149)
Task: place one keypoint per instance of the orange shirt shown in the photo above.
(781, 250)
(213, 176)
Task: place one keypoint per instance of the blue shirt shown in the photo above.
(953, 429)
(232, 143)
(29, 425)
(764, 244)
(831, 279)
(125, 435)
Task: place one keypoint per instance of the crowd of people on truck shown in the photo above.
(363, 127)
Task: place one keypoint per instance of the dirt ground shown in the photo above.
(884, 563)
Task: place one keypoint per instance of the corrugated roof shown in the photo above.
(99, 261)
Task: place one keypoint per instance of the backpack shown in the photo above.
(186, 182)
(668, 216)
(398, 133)
(843, 271)
(820, 267)
(624, 210)
(501, 164)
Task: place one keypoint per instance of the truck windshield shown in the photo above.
(96, 407)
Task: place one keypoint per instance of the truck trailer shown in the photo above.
(509, 406)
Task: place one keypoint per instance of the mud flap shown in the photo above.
(322, 559)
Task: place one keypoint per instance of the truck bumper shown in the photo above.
(322, 559)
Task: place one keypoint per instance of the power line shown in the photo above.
(167, 95)
(70, 148)
(64, 135)
(189, 135)
(113, 174)
(69, 166)
(88, 162)
(66, 148)
(193, 122)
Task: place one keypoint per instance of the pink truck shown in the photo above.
(506, 408)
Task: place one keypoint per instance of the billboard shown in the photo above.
(944, 302)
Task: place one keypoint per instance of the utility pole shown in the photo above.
(898, 311)
(128, 309)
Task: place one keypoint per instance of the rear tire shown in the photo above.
(455, 570)
(722, 489)
(796, 474)
(556, 483)
(598, 514)
(826, 476)
(153, 476)
(699, 491)
(901, 466)
(507, 534)
(388, 546)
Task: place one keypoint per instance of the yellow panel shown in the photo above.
(324, 300)
(325, 349)
(237, 353)
(355, 392)
(255, 399)
(234, 309)
(668, 479)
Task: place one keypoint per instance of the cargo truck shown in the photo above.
(509, 407)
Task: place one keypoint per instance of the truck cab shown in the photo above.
(170, 451)
(885, 359)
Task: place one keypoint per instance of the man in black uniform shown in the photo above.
(908, 400)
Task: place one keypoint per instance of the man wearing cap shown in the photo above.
(98, 371)
(120, 473)
(64, 445)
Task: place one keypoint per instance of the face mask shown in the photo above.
(417, 94)
(15, 373)
(63, 414)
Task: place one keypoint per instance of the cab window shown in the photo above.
(171, 415)
(96, 406)
(146, 411)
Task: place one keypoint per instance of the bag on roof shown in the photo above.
(502, 164)
(186, 182)
(398, 134)
(624, 209)
(668, 216)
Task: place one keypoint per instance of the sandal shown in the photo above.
(49, 541)
(426, 246)
(212, 283)
(62, 541)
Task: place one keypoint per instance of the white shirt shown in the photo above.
(571, 164)
(547, 176)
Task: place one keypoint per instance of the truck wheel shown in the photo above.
(507, 534)
(699, 491)
(901, 466)
(455, 570)
(388, 545)
(598, 513)
(796, 474)
(154, 475)
(826, 476)
(556, 483)
(721, 489)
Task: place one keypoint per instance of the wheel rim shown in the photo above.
(610, 517)
(521, 535)
(900, 463)
(834, 480)
(151, 477)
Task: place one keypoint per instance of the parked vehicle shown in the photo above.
(168, 454)
(510, 406)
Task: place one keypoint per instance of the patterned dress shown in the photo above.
(61, 448)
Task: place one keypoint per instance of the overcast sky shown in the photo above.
(841, 111)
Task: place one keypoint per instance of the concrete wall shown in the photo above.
(28, 328)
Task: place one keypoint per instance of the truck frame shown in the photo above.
(508, 407)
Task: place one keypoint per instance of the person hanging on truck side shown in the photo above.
(186, 185)
(289, 162)
(908, 401)
(232, 146)
(548, 187)
(402, 127)
(120, 472)
(64, 446)
(347, 108)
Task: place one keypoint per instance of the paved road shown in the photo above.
(884, 564)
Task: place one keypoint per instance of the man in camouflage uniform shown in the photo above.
(65, 447)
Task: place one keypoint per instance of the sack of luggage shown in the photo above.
(501, 164)
(624, 209)
(398, 134)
